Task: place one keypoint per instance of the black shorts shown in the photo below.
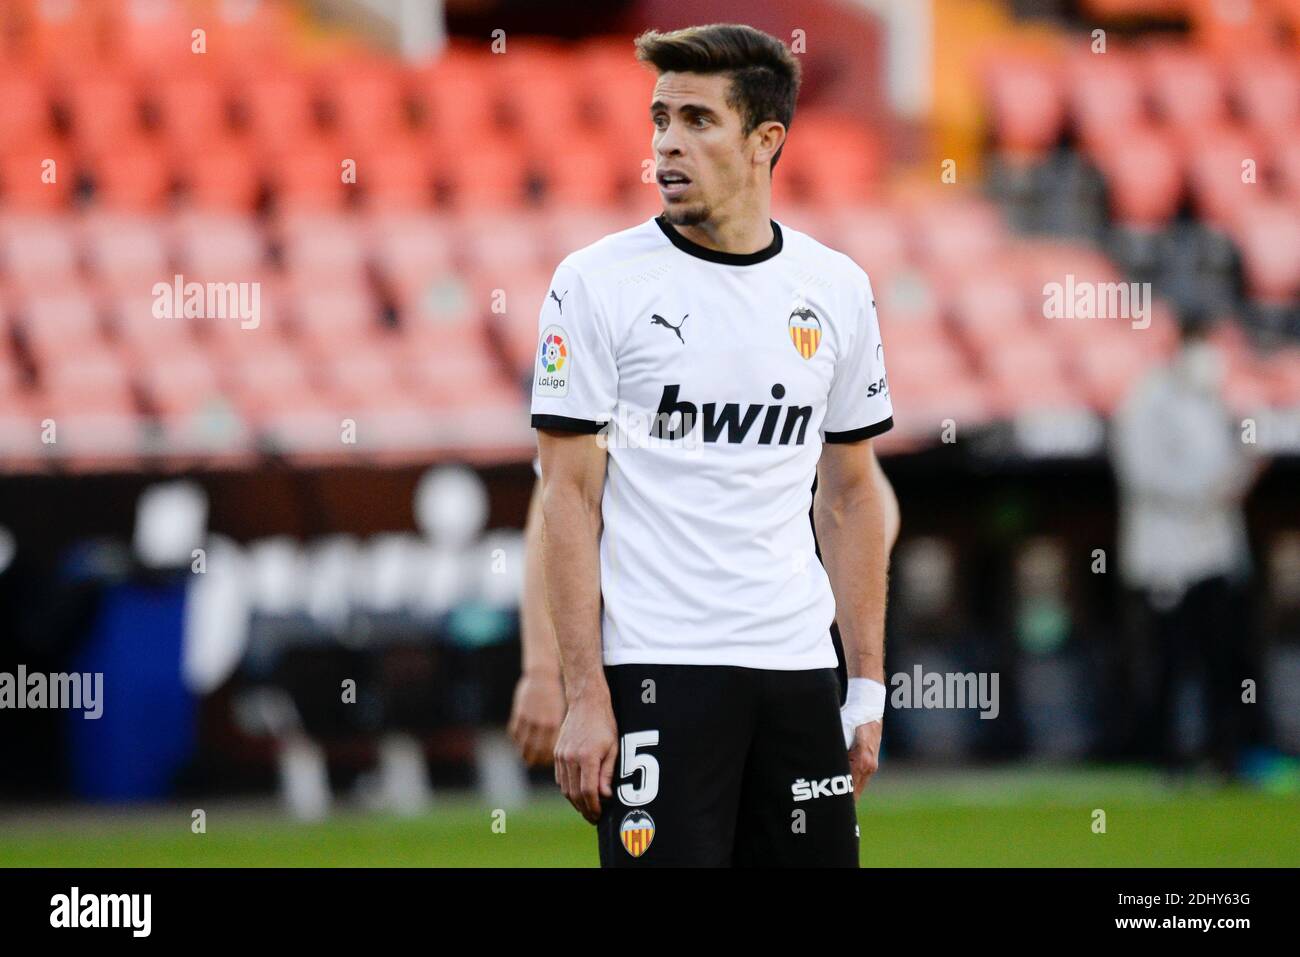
(722, 766)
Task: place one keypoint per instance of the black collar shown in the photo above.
(717, 256)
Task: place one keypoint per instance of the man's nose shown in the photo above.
(666, 144)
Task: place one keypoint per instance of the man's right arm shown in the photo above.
(573, 484)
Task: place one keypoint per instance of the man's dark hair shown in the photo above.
(764, 73)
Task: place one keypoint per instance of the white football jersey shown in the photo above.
(713, 378)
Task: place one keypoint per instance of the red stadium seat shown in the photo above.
(214, 246)
(501, 241)
(1267, 90)
(360, 373)
(1143, 175)
(956, 236)
(1109, 368)
(92, 380)
(131, 176)
(459, 97)
(542, 101)
(225, 178)
(27, 180)
(38, 252)
(366, 100)
(269, 377)
(412, 250)
(1215, 158)
(585, 172)
(178, 382)
(26, 114)
(142, 332)
(278, 107)
(1105, 92)
(126, 253)
(396, 175)
(104, 110)
(1284, 160)
(836, 159)
(194, 111)
(990, 306)
(333, 320)
(1268, 234)
(308, 176)
(60, 322)
(323, 249)
(492, 177)
(1027, 103)
(1185, 86)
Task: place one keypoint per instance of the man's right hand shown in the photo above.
(586, 752)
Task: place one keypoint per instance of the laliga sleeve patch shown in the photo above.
(554, 364)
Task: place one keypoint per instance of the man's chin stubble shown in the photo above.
(686, 216)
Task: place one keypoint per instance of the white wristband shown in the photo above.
(864, 703)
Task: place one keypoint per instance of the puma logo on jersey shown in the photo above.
(805, 790)
(559, 300)
(724, 422)
(658, 320)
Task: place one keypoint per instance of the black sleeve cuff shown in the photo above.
(566, 424)
(866, 432)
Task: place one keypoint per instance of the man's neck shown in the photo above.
(742, 234)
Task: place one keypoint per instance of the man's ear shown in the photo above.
(769, 138)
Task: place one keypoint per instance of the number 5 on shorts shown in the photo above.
(635, 795)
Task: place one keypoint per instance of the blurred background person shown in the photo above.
(1184, 470)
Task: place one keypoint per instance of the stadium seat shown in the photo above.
(459, 98)
(103, 110)
(1266, 87)
(215, 246)
(60, 324)
(1268, 234)
(1027, 104)
(37, 252)
(396, 175)
(193, 111)
(411, 250)
(323, 249)
(586, 171)
(307, 176)
(227, 177)
(131, 176)
(1143, 175)
(335, 320)
(126, 252)
(27, 183)
(133, 319)
(178, 382)
(1215, 159)
(955, 237)
(1186, 88)
(366, 101)
(278, 107)
(92, 380)
(1105, 94)
(27, 114)
(493, 177)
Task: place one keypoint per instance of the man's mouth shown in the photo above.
(672, 183)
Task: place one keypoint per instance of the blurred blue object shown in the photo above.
(147, 731)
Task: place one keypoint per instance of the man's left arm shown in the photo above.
(856, 517)
(852, 511)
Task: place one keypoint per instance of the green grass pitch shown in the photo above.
(976, 819)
